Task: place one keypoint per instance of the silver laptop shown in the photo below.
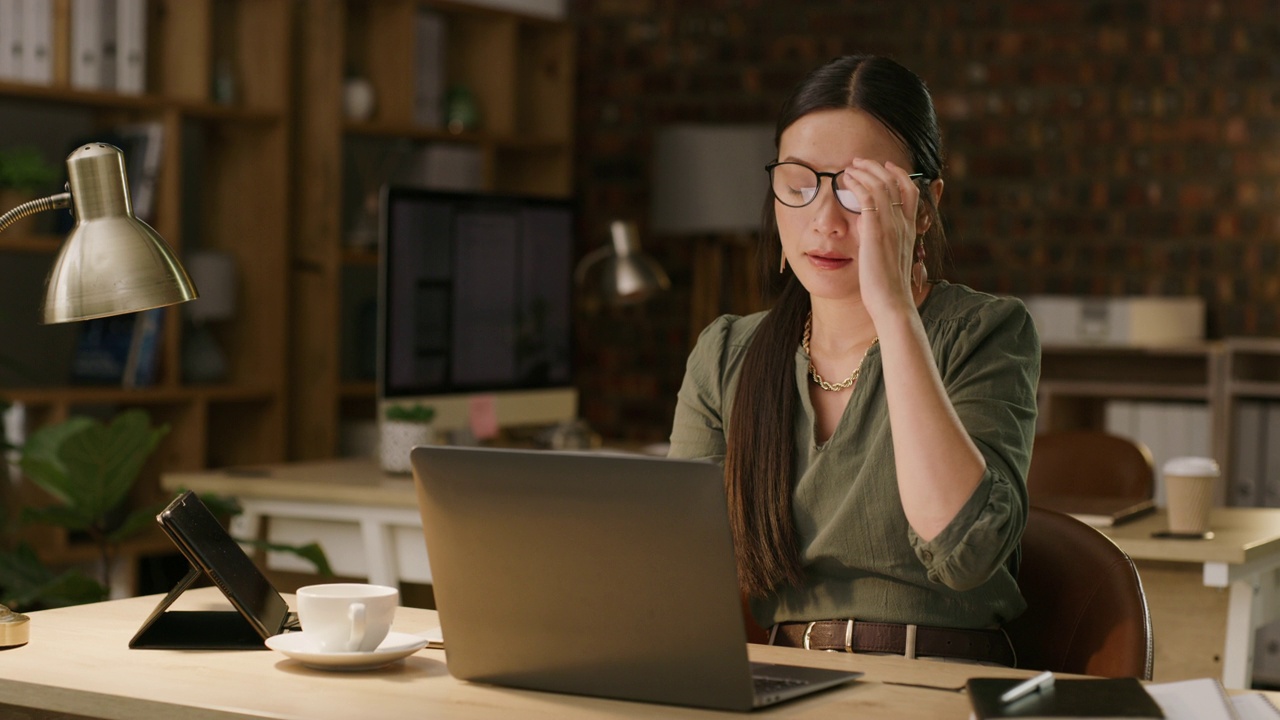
(594, 574)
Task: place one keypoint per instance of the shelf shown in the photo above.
(519, 69)
(360, 257)
(222, 184)
(416, 132)
(1077, 383)
(141, 104)
(1141, 367)
(1253, 389)
(1196, 350)
(358, 389)
(160, 395)
(1124, 390)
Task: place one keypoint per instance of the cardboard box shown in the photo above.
(1117, 321)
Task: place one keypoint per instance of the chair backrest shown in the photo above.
(1091, 463)
(1086, 610)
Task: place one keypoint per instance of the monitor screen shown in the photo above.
(474, 293)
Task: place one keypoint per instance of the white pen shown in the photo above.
(1039, 683)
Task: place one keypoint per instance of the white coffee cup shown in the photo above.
(347, 617)
(1188, 486)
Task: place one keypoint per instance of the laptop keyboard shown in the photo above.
(765, 684)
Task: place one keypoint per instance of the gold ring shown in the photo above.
(895, 204)
(872, 209)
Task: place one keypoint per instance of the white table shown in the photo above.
(1207, 597)
(366, 520)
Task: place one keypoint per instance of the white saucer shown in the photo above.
(301, 648)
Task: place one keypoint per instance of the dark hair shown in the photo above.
(759, 465)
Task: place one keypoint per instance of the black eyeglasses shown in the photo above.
(796, 185)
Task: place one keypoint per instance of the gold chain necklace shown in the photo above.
(813, 372)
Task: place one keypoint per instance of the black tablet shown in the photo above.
(260, 611)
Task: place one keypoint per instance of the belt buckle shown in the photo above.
(848, 636)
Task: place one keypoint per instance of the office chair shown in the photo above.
(1086, 610)
(1089, 463)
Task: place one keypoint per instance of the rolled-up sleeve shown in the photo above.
(990, 367)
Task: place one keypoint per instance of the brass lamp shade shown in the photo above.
(112, 262)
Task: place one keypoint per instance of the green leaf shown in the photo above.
(29, 584)
(64, 516)
(136, 522)
(41, 461)
(21, 567)
(311, 552)
(411, 413)
(104, 460)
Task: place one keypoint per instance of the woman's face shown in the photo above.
(820, 239)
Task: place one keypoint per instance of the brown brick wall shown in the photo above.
(1095, 147)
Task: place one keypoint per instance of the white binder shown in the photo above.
(10, 32)
(131, 46)
(37, 41)
(86, 44)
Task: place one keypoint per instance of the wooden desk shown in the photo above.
(78, 662)
(1207, 597)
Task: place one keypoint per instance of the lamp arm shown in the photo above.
(580, 272)
(53, 202)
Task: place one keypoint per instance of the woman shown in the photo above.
(875, 427)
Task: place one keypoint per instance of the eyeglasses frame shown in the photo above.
(916, 177)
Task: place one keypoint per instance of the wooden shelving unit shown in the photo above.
(1077, 382)
(519, 69)
(223, 185)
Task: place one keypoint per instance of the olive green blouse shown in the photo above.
(860, 556)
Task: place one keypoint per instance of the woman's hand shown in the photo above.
(886, 235)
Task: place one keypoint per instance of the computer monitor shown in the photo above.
(474, 303)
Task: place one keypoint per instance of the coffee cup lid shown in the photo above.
(1196, 466)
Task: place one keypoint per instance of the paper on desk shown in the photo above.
(435, 639)
(1204, 699)
(1254, 706)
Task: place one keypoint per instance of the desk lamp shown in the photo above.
(625, 274)
(112, 263)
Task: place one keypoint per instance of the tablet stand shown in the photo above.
(168, 629)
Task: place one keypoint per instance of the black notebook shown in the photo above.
(1097, 511)
(1104, 698)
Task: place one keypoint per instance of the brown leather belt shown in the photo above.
(894, 638)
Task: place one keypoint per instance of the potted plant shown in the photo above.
(24, 176)
(403, 427)
(89, 468)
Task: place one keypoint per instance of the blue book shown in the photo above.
(102, 350)
(143, 361)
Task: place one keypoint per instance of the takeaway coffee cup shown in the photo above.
(347, 617)
(1188, 486)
